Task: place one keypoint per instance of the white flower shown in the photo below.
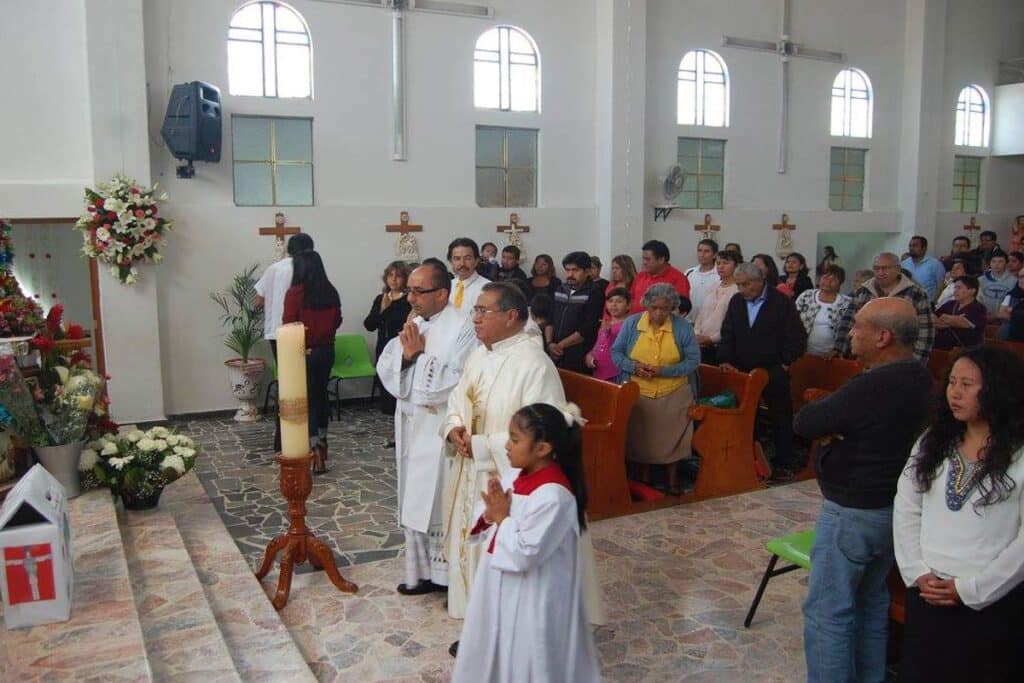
(119, 463)
(146, 444)
(87, 460)
(161, 445)
(184, 451)
(133, 277)
(173, 462)
(158, 257)
(172, 439)
(158, 433)
(109, 448)
(185, 441)
(134, 435)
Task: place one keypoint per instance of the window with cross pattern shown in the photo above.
(972, 117)
(852, 104)
(506, 71)
(269, 52)
(702, 95)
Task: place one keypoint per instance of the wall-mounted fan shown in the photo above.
(674, 182)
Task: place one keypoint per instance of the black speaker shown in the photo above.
(191, 127)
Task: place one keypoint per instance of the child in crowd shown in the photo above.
(600, 357)
(526, 619)
(540, 310)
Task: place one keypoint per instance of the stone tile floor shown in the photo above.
(677, 582)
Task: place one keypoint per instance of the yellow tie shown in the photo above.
(459, 290)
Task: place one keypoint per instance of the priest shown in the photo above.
(507, 371)
(419, 368)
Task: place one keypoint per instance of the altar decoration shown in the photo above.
(19, 315)
(121, 226)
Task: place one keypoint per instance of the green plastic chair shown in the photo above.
(796, 549)
(351, 361)
(271, 386)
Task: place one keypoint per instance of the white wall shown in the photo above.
(871, 35)
(358, 188)
(45, 136)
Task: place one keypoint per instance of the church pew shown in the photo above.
(1015, 347)
(815, 372)
(725, 436)
(607, 408)
(939, 363)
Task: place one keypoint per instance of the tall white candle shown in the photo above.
(291, 390)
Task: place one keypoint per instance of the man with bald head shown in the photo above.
(888, 281)
(866, 430)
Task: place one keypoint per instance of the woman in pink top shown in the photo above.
(600, 357)
(708, 325)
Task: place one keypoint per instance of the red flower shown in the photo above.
(53, 318)
(75, 331)
(139, 213)
(152, 210)
(134, 190)
(44, 344)
(99, 203)
(111, 216)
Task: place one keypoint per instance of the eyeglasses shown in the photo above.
(420, 292)
(885, 267)
(480, 311)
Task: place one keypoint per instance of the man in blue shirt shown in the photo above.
(925, 270)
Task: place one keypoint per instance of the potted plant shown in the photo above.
(137, 465)
(244, 322)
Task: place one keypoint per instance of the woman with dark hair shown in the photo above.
(821, 310)
(623, 275)
(733, 246)
(767, 265)
(961, 322)
(829, 257)
(526, 618)
(313, 301)
(387, 315)
(543, 278)
(796, 279)
(958, 530)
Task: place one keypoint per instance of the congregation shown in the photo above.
(488, 447)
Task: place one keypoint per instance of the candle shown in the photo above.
(291, 390)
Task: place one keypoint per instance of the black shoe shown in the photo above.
(421, 588)
(453, 649)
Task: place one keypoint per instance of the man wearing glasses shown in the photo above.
(420, 367)
(888, 281)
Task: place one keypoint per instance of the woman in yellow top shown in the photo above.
(658, 350)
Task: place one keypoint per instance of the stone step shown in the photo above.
(103, 638)
(183, 640)
(259, 642)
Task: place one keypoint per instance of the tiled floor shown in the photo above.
(677, 582)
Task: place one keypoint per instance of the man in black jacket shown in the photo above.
(867, 429)
(575, 314)
(762, 329)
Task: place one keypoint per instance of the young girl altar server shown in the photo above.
(525, 621)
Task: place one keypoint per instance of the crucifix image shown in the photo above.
(707, 229)
(971, 228)
(406, 249)
(786, 49)
(280, 231)
(784, 247)
(514, 231)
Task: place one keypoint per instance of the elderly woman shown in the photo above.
(821, 310)
(961, 322)
(957, 527)
(659, 351)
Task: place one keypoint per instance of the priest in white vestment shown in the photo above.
(507, 371)
(419, 368)
(464, 256)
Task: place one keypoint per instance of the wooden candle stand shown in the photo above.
(298, 544)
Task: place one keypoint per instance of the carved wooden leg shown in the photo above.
(321, 555)
(273, 548)
(284, 581)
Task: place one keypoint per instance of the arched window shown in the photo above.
(972, 117)
(269, 52)
(852, 104)
(506, 71)
(703, 90)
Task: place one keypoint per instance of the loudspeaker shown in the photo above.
(192, 128)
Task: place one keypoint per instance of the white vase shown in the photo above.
(245, 386)
(62, 462)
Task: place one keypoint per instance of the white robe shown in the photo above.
(421, 392)
(472, 287)
(526, 620)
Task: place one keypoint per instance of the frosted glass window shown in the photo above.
(972, 117)
(269, 52)
(272, 161)
(506, 71)
(966, 184)
(846, 179)
(703, 163)
(702, 92)
(852, 104)
(506, 166)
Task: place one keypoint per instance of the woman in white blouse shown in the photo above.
(821, 310)
(957, 528)
(708, 324)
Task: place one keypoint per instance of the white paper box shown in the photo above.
(35, 548)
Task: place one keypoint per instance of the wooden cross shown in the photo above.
(407, 249)
(785, 244)
(972, 226)
(785, 224)
(279, 231)
(707, 228)
(403, 226)
(513, 225)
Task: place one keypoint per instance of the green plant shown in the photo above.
(241, 316)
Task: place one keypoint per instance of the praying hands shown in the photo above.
(497, 502)
(936, 591)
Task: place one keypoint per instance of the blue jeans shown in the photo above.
(846, 614)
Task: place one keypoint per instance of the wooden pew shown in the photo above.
(725, 437)
(815, 372)
(1015, 347)
(607, 408)
(939, 362)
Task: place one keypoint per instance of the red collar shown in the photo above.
(525, 484)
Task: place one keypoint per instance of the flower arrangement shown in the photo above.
(137, 465)
(122, 225)
(20, 316)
